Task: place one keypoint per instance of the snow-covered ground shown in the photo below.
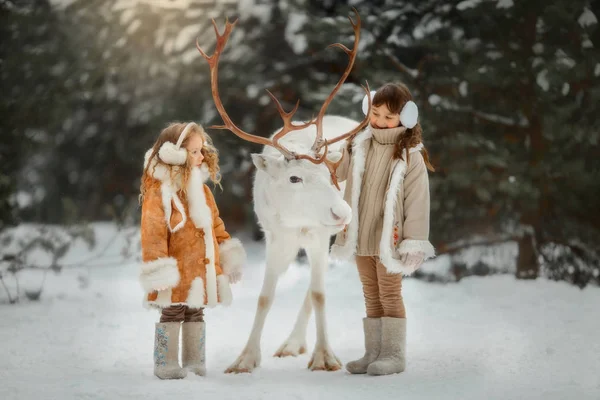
(482, 338)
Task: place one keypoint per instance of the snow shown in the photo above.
(293, 36)
(395, 38)
(492, 338)
(135, 25)
(494, 54)
(542, 80)
(463, 88)
(501, 119)
(252, 90)
(165, 4)
(186, 37)
(434, 99)
(431, 26)
(23, 199)
(256, 9)
(127, 16)
(587, 44)
(505, 4)
(464, 5)
(587, 18)
(367, 39)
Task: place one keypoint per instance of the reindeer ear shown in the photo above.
(334, 156)
(259, 161)
(263, 162)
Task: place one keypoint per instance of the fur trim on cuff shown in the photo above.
(195, 298)
(411, 246)
(232, 256)
(394, 266)
(158, 274)
(225, 295)
(341, 253)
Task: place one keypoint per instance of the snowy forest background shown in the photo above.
(508, 93)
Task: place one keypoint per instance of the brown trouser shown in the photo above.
(383, 291)
(178, 313)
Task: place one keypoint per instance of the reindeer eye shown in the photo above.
(295, 179)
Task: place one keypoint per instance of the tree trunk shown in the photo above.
(527, 264)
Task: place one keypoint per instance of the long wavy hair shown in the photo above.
(181, 173)
(395, 96)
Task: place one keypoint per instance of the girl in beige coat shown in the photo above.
(387, 186)
(189, 259)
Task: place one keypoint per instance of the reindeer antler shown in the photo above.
(213, 62)
(288, 125)
(319, 142)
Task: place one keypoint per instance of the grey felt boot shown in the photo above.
(372, 329)
(166, 351)
(392, 356)
(193, 355)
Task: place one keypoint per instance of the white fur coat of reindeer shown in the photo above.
(299, 204)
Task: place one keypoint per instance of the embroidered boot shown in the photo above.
(392, 357)
(193, 355)
(372, 329)
(166, 351)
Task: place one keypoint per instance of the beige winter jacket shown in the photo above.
(405, 227)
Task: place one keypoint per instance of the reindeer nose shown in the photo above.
(341, 213)
(334, 215)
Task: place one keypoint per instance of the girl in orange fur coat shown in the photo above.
(189, 259)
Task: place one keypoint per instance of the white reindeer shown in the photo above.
(299, 204)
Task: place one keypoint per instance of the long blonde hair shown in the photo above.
(171, 134)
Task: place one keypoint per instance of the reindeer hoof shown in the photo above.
(245, 363)
(290, 348)
(324, 360)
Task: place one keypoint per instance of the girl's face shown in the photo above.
(382, 118)
(194, 149)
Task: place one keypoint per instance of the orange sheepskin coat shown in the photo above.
(187, 254)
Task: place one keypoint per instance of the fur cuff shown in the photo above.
(225, 295)
(394, 266)
(341, 253)
(232, 256)
(415, 246)
(158, 274)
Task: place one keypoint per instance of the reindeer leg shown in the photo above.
(295, 344)
(279, 255)
(323, 357)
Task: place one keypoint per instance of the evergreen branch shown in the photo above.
(455, 248)
(413, 73)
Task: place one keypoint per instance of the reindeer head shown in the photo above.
(298, 192)
(305, 183)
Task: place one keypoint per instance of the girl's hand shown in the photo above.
(412, 260)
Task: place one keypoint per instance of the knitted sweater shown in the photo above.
(374, 184)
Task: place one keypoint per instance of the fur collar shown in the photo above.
(367, 134)
(360, 148)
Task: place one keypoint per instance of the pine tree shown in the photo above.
(506, 92)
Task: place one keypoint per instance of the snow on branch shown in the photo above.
(44, 248)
